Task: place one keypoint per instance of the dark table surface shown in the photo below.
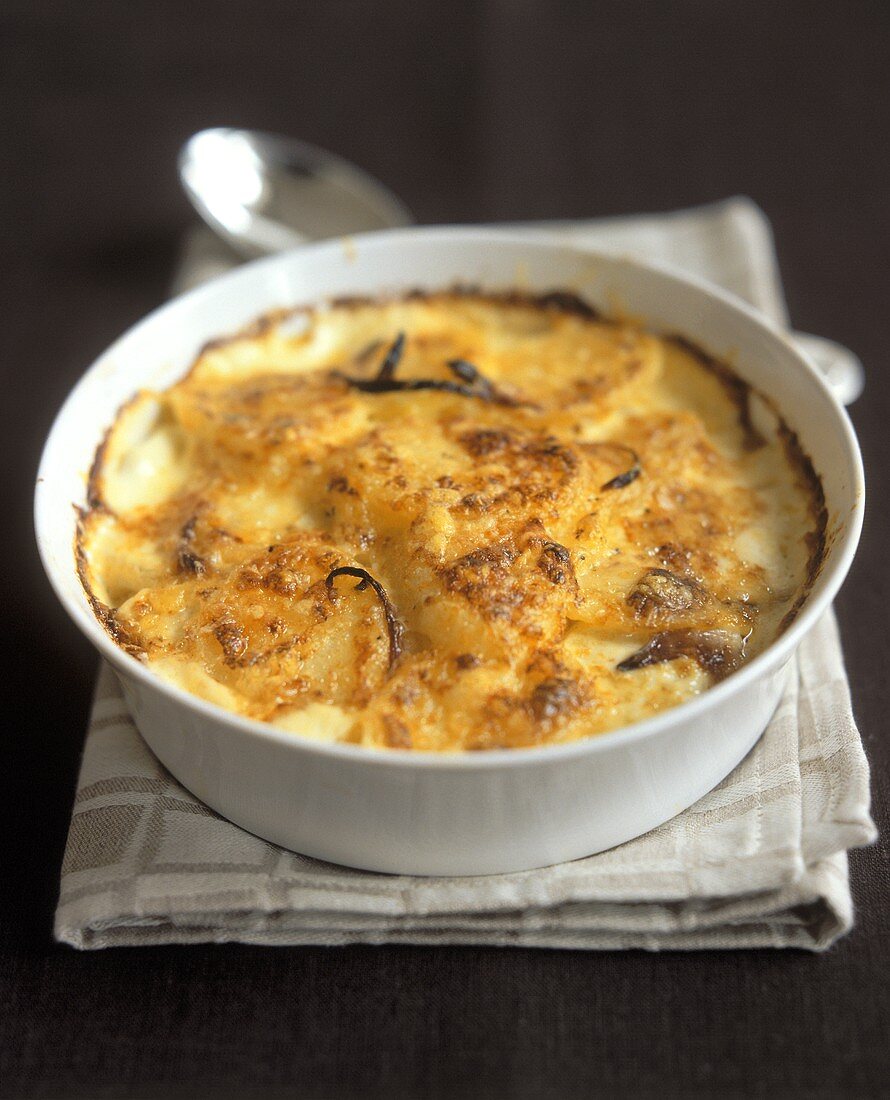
(471, 111)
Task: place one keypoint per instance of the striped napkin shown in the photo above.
(759, 862)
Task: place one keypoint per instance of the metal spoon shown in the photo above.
(264, 193)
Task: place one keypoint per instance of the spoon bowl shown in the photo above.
(264, 193)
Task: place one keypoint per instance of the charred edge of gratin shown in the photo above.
(95, 499)
(818, 539)
(560, 301)
(737, 389)
(257, 327)
(96, 505)
(94, 478)
(106, 615)
(740, 392)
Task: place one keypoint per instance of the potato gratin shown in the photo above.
(449, 521)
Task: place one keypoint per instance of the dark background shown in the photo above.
(470, 111)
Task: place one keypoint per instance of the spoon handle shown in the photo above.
(841, 368)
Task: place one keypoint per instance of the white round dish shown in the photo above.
(477, 813)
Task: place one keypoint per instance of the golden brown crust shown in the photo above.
(558, 523)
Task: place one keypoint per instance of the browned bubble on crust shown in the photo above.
(492, 580)
(232, 640)
(555, 698)
(187, 559)
(555, 562)
(535, 715)
(395, 733)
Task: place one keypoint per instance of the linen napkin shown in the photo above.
(760, 861)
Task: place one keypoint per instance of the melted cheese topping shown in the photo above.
(588, 531)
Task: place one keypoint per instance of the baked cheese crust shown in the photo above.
(449, 521)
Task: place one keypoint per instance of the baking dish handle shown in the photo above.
(842, 369)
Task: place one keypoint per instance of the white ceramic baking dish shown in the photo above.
(478, 813)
